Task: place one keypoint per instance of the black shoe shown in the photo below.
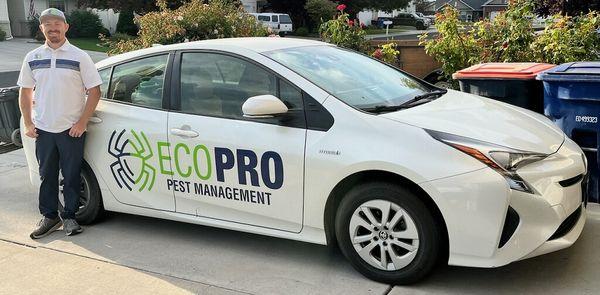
(71, 227)
(45, 227)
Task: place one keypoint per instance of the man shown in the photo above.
(60, 73)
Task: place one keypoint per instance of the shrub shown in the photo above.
(320, 11)
(2, 35)
(34, 28)
(192, 21)
(344, 32)
(568, 39)
(511, 38)
(302, 31)
(83, 23)
(126, 24)
(387, 53)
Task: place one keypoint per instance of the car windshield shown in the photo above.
(356, 79)
(285, 19)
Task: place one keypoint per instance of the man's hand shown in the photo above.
(78, 129)
(30, 131)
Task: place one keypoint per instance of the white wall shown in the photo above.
(108, 17)
(249, 6)
(4, 20)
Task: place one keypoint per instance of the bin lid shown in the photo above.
(520, 71)
(573, 72)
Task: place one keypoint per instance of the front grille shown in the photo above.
(567, 225)
(571, 181)
(510, 225)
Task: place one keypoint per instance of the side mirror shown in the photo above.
(263, 106)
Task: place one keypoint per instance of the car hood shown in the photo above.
(484, 119)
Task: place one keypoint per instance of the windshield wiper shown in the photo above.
(417, 100)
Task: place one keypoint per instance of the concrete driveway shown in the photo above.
(13, 52)
(144, 255)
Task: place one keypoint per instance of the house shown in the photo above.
(15, 14)
(492, 8)
(474, 10)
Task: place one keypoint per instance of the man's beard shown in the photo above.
(55, 38)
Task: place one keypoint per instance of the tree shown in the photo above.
(320, 10)
(126, 24)
(294, 8)
(356, 6)
(421, 5)
(568, 7)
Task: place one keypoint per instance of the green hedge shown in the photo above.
(83, 23)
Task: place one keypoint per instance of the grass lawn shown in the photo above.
(88, 44)
(382, 31)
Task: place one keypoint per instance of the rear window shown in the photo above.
(285, 19)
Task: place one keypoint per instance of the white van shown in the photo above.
(280, 23)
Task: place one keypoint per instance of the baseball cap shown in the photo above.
(52, 12)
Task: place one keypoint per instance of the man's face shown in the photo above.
(54, 29)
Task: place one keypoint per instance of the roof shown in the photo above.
(256, 44)
(496, 3)
(473, 4)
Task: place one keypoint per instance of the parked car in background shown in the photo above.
(431, 18)
(411, 19)
(280, 23)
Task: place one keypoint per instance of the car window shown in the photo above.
(218, 85)
(342, 73)
(265, 18)
(275, 18)
(139, 82)
(105, 76)
(285, 19)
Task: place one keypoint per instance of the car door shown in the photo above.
(227, 166)
(128, 127)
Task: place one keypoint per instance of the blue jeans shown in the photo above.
(56, 151)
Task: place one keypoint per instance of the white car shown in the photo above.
(299, 139)
(279, 23)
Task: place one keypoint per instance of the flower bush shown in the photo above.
(510, 38)
(387, 53)
(195, 20)
(343, 32)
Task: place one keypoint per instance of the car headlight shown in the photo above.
(505, 161)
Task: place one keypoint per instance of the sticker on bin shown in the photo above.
(586, 119)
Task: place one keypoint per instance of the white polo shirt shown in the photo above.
(60, 78)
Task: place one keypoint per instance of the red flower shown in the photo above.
(377, 54)
(351, 23)
(341, 7)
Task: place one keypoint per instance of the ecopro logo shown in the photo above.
(124, 146)
(194, 169)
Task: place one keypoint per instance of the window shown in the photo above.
(285, 19)
(264, 18)
(105, 76)
(58, 4)
(139, 82)
(275, 19)
(218, 85)
(347, 75)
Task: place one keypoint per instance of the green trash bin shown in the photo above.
(10, 115)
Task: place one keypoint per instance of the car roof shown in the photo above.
(256, 44)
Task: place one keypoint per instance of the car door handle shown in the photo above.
(184, 133)
(95, 120)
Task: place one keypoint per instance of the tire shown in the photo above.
(420, 26)
(91, 208)
(410, 265)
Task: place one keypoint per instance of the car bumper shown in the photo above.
(490, 225)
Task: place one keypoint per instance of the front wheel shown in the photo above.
(387, 233)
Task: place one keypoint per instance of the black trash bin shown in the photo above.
(513, 83)
(10, 115)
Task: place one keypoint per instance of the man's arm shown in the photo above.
(26, 104)
(90, 106)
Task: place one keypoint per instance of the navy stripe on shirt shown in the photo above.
(39, 64)
(67, 64)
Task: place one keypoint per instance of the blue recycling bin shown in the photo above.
(572, 101)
